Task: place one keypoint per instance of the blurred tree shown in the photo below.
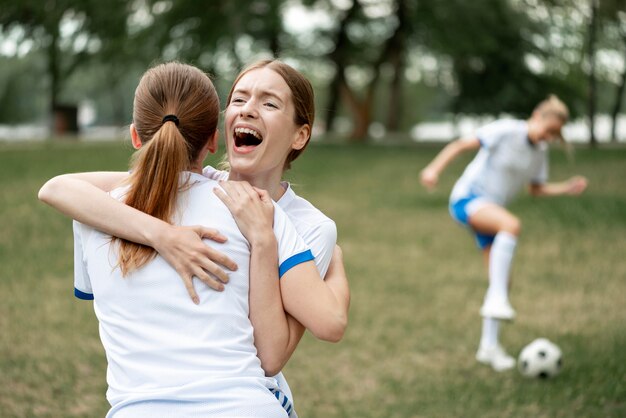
(367, 37)
(18, 85)
(69, 31)
(591, 57)
(613, 17)
(339, 57)
(217, 36)
(488, 43)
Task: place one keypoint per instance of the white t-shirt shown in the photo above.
(507, 161)
(165, 354)
(318, 231)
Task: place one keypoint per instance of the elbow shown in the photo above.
(271, 367)
(273, 361)
(47, 191)
(332, 331)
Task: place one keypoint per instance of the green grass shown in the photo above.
(417, 282)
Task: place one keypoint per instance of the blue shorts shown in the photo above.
(462, 209)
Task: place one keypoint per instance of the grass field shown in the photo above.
(417, 282)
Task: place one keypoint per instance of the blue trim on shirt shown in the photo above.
(294, 260)
(83, 295)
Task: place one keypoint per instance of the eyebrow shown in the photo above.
(264, 93)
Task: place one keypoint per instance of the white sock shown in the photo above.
(500, 259)
(491, 329)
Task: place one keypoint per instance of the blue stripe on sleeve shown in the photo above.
(294, 260)
(83, 295)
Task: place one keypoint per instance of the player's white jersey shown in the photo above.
(318, 231)
(507, 161)
(165, 354)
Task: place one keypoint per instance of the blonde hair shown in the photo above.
(169, 145)
(553, 106)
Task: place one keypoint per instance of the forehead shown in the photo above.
(552, 121)
(263, 81)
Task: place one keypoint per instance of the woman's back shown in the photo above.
(164, 351)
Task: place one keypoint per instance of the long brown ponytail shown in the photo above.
(170, 144)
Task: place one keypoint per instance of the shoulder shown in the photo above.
(311, 223)
(303, 211)
(500, 130)
(504, 126)
(214, 174)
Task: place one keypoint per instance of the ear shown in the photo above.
(302, 137)
(134, 137)
(213, 143)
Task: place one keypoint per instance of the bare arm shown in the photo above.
(83, 197)
(573, 186)
(429, 176)
(276, 332)
(337, 282)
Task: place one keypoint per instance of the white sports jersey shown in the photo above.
(318, 231)
(506, 162)
(167, 356)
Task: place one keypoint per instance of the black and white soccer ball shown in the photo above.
(540, 359)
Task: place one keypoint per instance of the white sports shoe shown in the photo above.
(497, 308)
(495, 357)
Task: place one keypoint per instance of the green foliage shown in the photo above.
(416, 280)
(482, 51)
(16, 79)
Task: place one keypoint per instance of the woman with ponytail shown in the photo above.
(167, 356)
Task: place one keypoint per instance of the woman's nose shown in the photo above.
(248, 110)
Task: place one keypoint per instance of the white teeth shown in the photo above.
(248, 131)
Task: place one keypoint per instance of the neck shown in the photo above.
(530, 135)
(269, 181)
(196, 168)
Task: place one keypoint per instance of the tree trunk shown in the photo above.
(617, 104)
(361, 112)
(53, 70)
(394, 115)
(338, 57)
(591, 103)
(334, 95)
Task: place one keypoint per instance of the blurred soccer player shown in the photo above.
(512, 154)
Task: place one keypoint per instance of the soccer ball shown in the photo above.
(541, 358)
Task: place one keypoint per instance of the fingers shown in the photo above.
(233, 194)
(209, 233)
(224, 197)
(214, 277)
(577, 185)
(428, 180)
(263, 195)
(205, 278)
(214, 282)
(191, 290)
(214, 257)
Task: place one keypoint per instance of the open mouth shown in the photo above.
(246, 137)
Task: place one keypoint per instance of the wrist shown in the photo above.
(263, 239)
(157, 233)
